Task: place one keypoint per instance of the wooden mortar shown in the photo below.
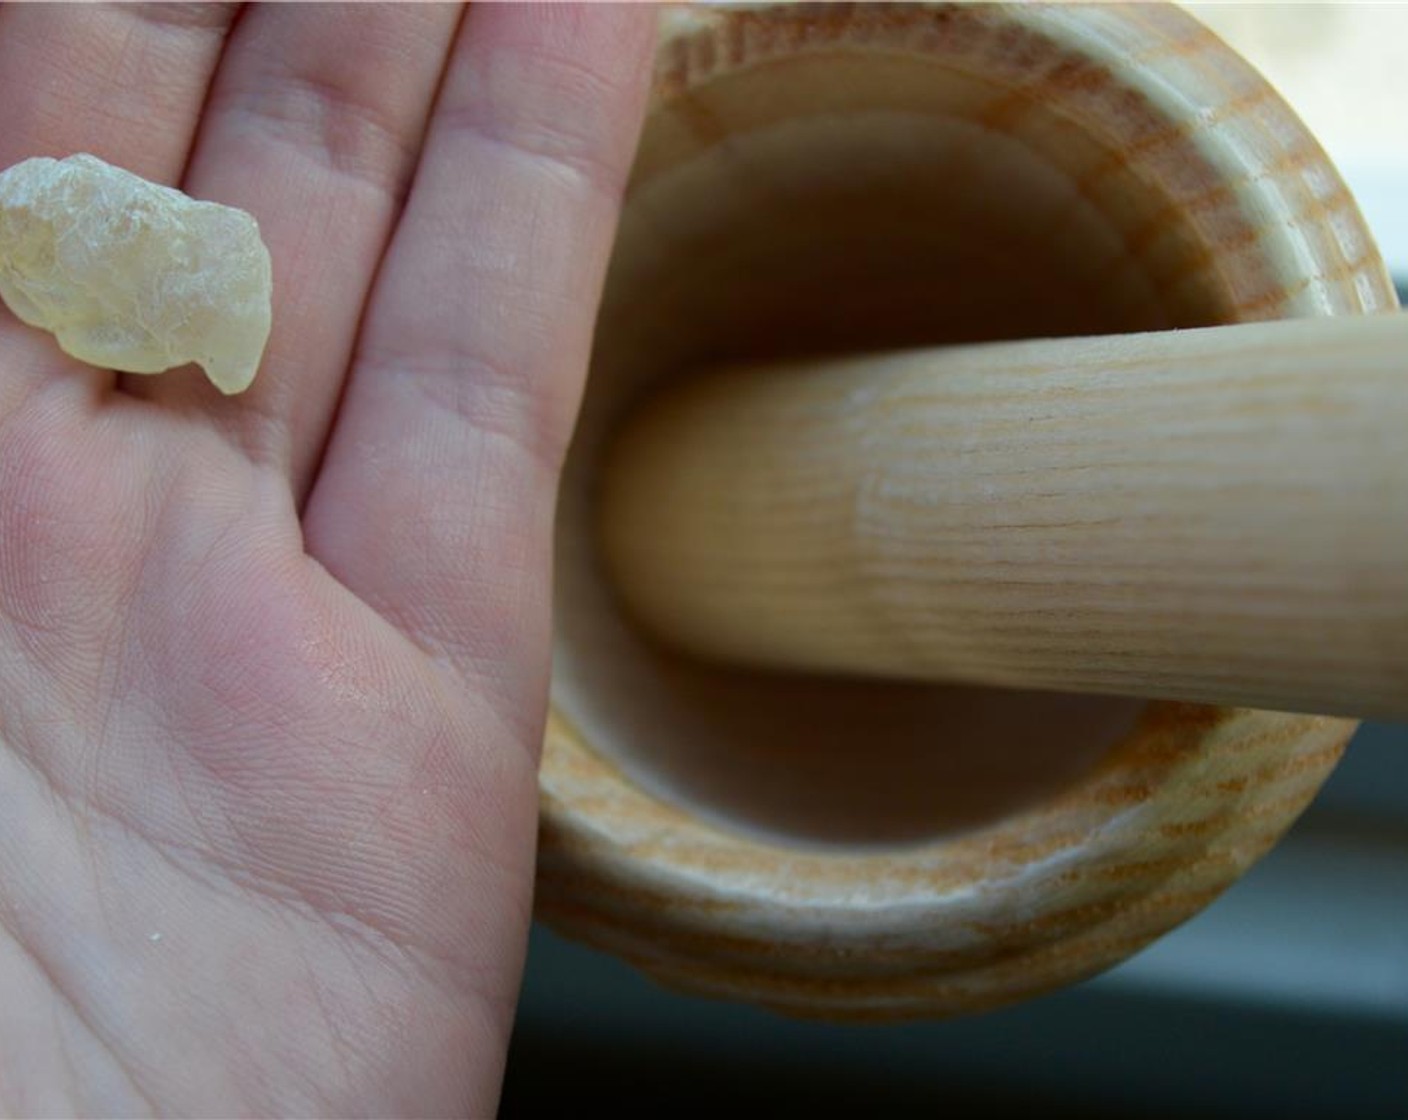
(844, 179)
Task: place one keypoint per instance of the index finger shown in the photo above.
(435, 499)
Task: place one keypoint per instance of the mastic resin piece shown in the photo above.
(132, 276)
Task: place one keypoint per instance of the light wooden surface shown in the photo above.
(1215, 515)
(857, 179)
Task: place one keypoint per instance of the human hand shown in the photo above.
(273, 667)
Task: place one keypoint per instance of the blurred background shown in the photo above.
(1288, 997)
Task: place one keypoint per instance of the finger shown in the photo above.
(313, 125)
(124, 82)
(435, 500)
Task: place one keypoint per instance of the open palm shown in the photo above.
(273, 667)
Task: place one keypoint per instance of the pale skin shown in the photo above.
(273, 667)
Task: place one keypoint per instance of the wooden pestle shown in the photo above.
(856, 178)
(1215, 515)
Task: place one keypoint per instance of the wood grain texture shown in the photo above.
(857, 179)
(1182, 808)
(1215, 515)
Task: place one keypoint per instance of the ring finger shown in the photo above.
(125, 82)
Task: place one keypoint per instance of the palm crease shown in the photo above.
(273, 668)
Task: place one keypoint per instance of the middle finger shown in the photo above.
(314, 124)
